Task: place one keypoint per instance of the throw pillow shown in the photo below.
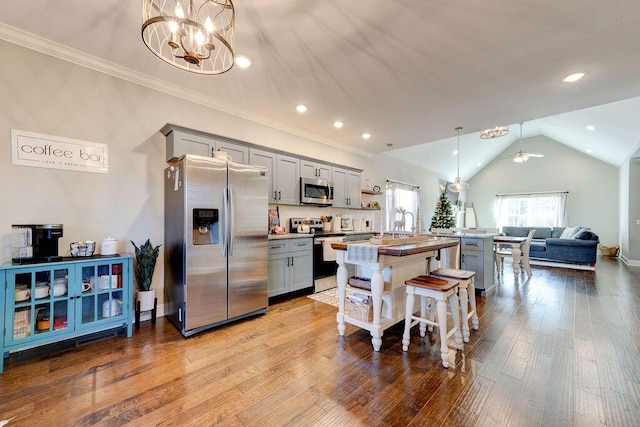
(584, 235)
(569, 232)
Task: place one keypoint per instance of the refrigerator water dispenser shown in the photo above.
(205, 226)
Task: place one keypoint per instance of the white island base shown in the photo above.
(388, 292)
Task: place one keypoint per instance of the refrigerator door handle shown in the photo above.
(225, 210)
(231, 222)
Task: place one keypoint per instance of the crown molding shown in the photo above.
(56, 50)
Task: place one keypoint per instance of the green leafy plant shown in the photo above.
(146, 257)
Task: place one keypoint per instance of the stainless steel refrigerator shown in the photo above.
(216, 266)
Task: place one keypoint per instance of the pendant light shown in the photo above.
(458, 185)
(193, 35)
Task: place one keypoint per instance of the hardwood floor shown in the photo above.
(560, 349)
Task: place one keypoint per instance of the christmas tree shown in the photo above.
(443, 215)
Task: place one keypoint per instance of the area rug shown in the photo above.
(330, 296)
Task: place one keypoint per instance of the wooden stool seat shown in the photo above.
(430, 282)
(466, 294)
(440, 290)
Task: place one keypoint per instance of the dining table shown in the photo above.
(517, 254)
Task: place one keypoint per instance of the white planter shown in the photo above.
(146, 299)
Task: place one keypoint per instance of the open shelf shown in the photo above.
(371, 192)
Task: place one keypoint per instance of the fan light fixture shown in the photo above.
(495, 132)
(458, 185)
(193, 35)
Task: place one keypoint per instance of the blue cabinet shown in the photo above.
(49, 302)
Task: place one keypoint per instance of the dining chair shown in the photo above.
(502, 253)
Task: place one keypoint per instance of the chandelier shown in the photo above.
(494, 132)
(193, 35)
(458, 185)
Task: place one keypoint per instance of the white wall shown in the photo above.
(593, 185)
(631, 253)
(53, 97)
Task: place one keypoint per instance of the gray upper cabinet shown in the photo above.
(238, 153)
(180, 143)
(284, 175)
(346, 188)
(309, 169)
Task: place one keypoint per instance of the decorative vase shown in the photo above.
(147, 299)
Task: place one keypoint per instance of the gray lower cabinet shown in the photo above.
(476, 254)
(290, 265)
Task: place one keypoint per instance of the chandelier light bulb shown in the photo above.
(179, 11)
(208, 24)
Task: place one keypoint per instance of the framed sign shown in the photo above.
(44, 151)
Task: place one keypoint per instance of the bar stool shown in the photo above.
(467, 294)
(440, 290)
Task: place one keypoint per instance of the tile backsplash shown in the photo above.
(287, 212)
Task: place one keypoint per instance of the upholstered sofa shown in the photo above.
(573, 245)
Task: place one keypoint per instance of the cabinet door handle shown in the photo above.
(288, 259)
(291, 261)
(279, 195)
(275, 195)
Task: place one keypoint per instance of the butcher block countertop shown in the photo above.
(408, 249)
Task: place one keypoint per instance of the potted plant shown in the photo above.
(146, 257)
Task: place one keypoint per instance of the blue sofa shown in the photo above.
(547, 244)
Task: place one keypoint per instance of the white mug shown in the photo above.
(86, 286)
(223, 155)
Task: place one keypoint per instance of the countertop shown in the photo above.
(309, 235)
(463, 234)
(410, 249)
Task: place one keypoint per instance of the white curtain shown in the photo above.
(561, 213)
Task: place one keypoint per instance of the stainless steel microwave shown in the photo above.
(316, 191)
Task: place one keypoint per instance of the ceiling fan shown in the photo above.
(522, 156)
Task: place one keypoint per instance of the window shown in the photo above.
(403, 201)
(531, 210)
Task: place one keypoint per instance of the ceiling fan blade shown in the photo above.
(535, 154)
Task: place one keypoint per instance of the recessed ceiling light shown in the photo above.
(243, 62)
(478, 165)
(588, 150)
(366, 135)
(455, 152)
(573, 77)
(338, 124)
(301, 108)
(591, 128)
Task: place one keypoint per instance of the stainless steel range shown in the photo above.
(324, 257)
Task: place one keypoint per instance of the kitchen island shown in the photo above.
(388, 266)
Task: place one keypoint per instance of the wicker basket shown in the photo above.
(360, 282)
(362, 312)
(609, 250)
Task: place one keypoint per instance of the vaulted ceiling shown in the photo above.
(408, 71)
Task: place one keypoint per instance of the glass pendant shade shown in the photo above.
(458, 184)
(193, 35)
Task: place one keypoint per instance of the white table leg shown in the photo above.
(516, 253)
(377, 287)
(342, 277)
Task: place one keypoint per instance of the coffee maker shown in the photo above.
(35, 243)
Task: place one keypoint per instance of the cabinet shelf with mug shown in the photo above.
(49, 302)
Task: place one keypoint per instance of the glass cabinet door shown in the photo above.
(102, 297)
(37, 302)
